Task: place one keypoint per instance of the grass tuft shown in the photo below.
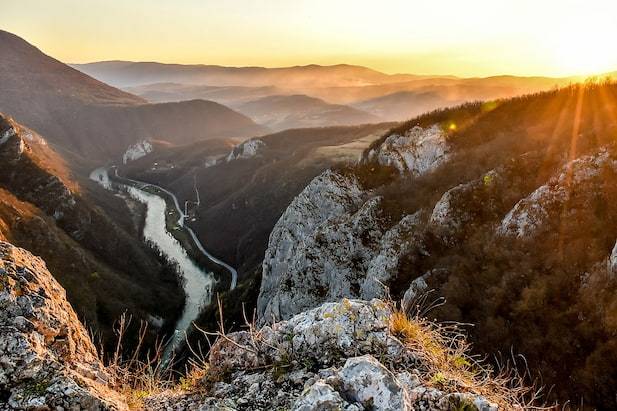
(447, 364)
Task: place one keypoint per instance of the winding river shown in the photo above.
(197, 283)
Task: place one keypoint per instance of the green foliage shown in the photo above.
(37, 388)
(464, 405)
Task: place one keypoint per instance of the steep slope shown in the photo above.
(84, 117)
(24, 68)
(102, 264)
(505, 209)
(48, 357)
(350, 355)
(298, 111)
(253, 182)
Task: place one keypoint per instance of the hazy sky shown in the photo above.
(470, 37)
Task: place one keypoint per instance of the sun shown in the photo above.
(584, 50)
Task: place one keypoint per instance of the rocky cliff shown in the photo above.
(47, 360)
(483, 211)
(331, 242)
(351, 355)
(101, 262)
(335, 240)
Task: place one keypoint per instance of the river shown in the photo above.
(197, 283)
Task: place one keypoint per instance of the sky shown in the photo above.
(465, 38)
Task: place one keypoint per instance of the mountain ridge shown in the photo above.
(83, 117)
(100, 262)
(505, 214)
(300, 111)
(103, 69)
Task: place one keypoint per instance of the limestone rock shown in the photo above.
(612, 262)
(46, 356)
(321, 396)
(368, 382)
(248, 149)
(137, 151)
(332, 242)
(417, 151)
(530, 216)
(329, 196)
(339, 356)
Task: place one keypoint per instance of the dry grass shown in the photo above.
(143, 374)
(444, 352)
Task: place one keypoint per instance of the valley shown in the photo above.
(308, 237)
(164, 217)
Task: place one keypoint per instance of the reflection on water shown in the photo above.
(197, 283)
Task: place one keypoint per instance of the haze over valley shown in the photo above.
(359, 211)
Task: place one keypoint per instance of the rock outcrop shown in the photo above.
(25, 161)
(47, 360)
(334, 239)
(612, 262)
(137, 151)
(7, 133)
(417, 151)
(331, 242)
(339, 356)
(578, 178)
(248, 149)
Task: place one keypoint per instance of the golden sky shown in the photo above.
(467, 38)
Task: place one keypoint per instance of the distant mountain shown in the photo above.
(298, 111)
(86, 118)
(130, 74)
(425, 95)
(403, 104)
(228, 95)
(390, 97)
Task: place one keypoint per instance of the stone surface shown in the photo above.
(248, 149)
(46, 356)
(529, 217)
(332, 242)
(417, 151)
(321, 396)
(612, 262)
(137, 151)
(366, 381)
(339, 356)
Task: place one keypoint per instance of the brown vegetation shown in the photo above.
(549, 297)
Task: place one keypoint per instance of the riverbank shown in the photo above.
(164, 228)
(225, 275)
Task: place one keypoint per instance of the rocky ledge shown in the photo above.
(339, 356)
(47, 359)
(347, 355)
(417, 151)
